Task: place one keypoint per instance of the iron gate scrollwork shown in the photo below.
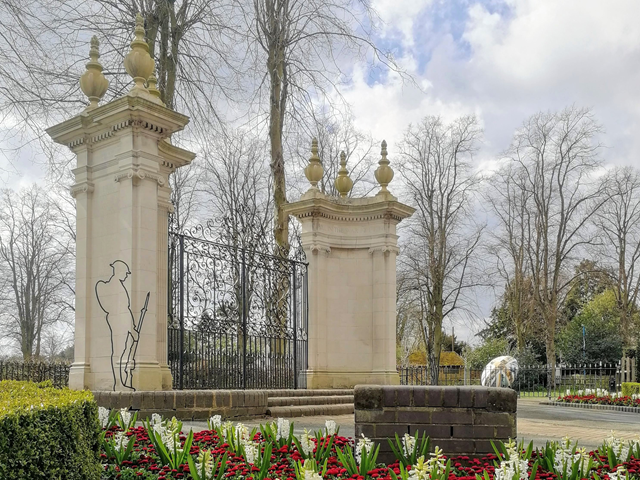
(237, 316)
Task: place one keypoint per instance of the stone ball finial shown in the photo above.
(314, 170)
(138, 62)
(384, 173)
(343, 183)
(93, 82)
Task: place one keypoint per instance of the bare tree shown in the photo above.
(303, 42)
(436, 166)
(555, 156)
(619, 224)
(34, 260)
(509, 200)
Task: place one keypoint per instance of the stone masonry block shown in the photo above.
(433, 431)
(403, 396)
(222, 398)
(414, 416)
(465, 397)
(434, 396)
(455, 445)
(389, 396)
(480, 398)
(149, 400)
(389, 430)
(365, 429)
(419, 396)
(125, 400)
(506, 432)
(377, 416)
(502, 400)
(450, 395)
(494, 419)
(452, 417)
(204, 399)
(369, 397)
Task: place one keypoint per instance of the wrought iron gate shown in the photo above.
(238, 317)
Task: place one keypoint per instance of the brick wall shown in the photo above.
(188, 404)
(460, 420)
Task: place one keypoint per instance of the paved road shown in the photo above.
(590, 427)
(535, 422)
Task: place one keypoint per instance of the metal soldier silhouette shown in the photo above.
(104, 293)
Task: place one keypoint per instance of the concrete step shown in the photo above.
(310, 410)
(308, 393)
(319, 400)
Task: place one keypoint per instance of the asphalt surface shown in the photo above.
(535, 422)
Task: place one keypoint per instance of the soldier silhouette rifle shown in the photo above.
(120, 270)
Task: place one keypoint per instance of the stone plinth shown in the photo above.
(459, 420)
(351, 247)
(122, 202)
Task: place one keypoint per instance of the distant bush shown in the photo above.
(630, 388)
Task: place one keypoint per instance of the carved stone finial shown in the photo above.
(152, 83)
(138, 62)
(343, 183)
(384, 173)
(314, 170)
(92, 82)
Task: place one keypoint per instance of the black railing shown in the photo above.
(238, 317)
(530, 380)
(36, 371)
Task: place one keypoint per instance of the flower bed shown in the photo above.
(159, 450)
(600, 397)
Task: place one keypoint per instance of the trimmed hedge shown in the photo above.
(629, 388)
(48, 433)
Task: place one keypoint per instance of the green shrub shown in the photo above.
(48, 433)
(629, 388)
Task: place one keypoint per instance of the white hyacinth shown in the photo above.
(331, 427)
(283, 428)
(309, 471)
(121, 441)
(306, 443)
(408, 444)
(205, 458)
(156, 419)
(251, 451)
(242, 431)
(125, 415)
(103, 416)
(216, 421)
(515, 468)
(363, 444)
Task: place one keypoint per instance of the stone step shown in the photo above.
(308, 393)
(320, 400)
(310, 410)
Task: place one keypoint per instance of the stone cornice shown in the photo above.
(103, 122)
(174, 157)
(360, 210)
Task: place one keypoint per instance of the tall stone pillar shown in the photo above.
(122, 202)
(351, 247)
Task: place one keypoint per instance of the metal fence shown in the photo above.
(238, 317)
(36, 371)
(531, 380)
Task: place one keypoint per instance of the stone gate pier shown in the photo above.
(122, 203)
(351, 246)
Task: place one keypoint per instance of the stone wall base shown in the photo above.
(346, 379)
(459, 420)
(188, 404)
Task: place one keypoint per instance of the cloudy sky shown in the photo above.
(504, 60)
